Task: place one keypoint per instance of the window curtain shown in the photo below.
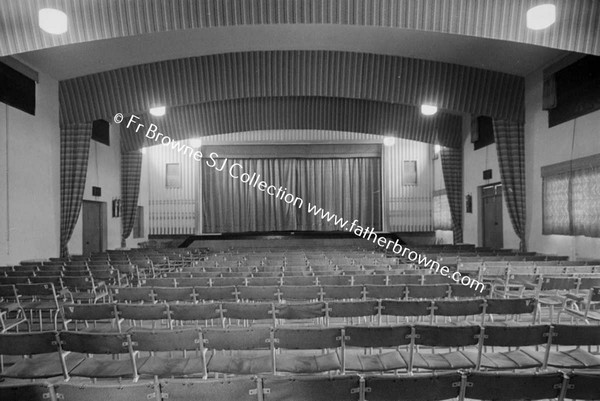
(442, 218)
(349, 188)
(131, 172)
(230, 205)
(74, 153)
(585, 203)
(453, 176)
(571, 198)
(510, 145)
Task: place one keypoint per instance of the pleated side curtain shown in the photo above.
(346, 187)
(510, 145)
(452, 170)
(74, 153)
(131, 171)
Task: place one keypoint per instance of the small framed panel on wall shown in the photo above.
(173, 175)
(409, 172)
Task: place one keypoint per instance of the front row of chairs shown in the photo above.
(300, 350)
(459, 385)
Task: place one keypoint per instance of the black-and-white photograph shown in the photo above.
(299, 200)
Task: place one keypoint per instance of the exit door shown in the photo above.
(491, 197)
(94, 221)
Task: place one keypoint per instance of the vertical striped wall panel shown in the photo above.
(576, 29)
(408, 207)
(172, 211)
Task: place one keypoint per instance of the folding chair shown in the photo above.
(429, 291)
(40, 352)
(173, 294)
(103, 317)
(248, 350)
(521, 337)
(225, 293)
(248, 312)
(419, 387)
(334, 280)
(159, 342)
(513, 386)
(301, 340)
(393, 291)
(115, 344)
(367, 338)
(405, 279)
(512, 309)
(347, 292)
(207, 312)
(410, 310)
(301, 293)
(352, 309)
(446, 337)
(137, 314)
(131, 294)
(298, 281)
(27, 391)
(457, 308)
(84, 288)
(580, 307)
(374, 279)
(12, 314)
(107, 391)
(232, 388)
(316, 311)
(576, 358)
(258, 293)
(38, 298)
(583, 386)
(314, 388)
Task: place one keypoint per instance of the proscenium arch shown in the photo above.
(577, 28)
(314, 113)
(220, 77)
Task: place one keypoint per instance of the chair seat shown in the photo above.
(82, 296)
(9, 307)
(444, 361)
(103, 368)
(39, 305)
(592, 315)
(375, 363)
(241, 363)
(517, 359)
(170, 367)
(294, 363)
(572, 359)
(42, 366)
(551, 300)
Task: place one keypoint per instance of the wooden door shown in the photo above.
(491, 197)
(93, 227)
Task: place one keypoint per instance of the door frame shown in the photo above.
(103, 225)
(481, 223)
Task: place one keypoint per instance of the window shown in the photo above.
(442, 219)
(173, 175)
(570, 197)
(138, 225)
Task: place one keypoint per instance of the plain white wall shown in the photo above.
(30, 178)
(544, 146)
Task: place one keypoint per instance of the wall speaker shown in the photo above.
(482, 132)
(101, 131)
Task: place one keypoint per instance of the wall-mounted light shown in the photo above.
(428, 109)
(53, 21)
(436, 151)
(541, 17)
(389, 141)
(469, 203)
(158, 111)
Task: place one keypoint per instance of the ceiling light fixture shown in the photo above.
(158, 111)
(428, 110)
(541, 17)
(52, 21)
(389, 141)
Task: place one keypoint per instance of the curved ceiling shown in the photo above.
(576, 29)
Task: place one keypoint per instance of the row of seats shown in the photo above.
(112, 315)
(451, 385)
(299, 350)
(198, 292)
